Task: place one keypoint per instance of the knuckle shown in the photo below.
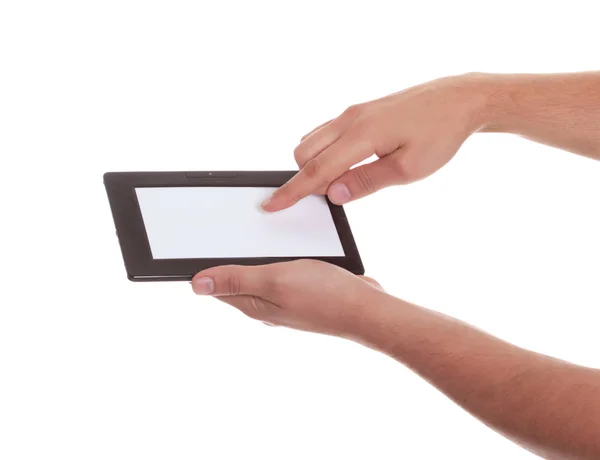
(353, 111)
(365, 181)
(299, 155)
(403, 166)
(233, 284)
(312, 168)
(275, 284)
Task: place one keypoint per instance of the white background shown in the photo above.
(93, 366)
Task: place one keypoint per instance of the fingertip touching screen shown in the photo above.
(228, 222)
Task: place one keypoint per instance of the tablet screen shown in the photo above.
(228, 222)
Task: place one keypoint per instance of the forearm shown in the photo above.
(548, 406)
(561, 110)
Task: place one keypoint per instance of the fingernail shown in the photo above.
(339, 194)
(203, 286)
(265, 203)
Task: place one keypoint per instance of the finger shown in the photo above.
(319, 172)
(319, 141)
(367, 179)
(371, 281)
(251, 306)
(322, 191)
(232, 280)
(301, 158)
(316, 129)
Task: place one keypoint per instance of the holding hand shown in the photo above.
(304, 294)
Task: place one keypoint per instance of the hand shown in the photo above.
(305, 294)
(413, 133)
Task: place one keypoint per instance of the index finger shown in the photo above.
(319, 172)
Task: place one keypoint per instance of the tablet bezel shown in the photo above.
(133, 240)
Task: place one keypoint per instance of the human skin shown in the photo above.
(415, 132)
(547, 406)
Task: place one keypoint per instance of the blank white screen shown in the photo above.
(207, 222)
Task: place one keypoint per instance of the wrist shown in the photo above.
(502, 101)
(488, 96)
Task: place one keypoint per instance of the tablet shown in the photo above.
(171, 225)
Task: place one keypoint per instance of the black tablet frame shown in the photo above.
(133, 240)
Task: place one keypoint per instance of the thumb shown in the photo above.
(231, 280)
(367, 179)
